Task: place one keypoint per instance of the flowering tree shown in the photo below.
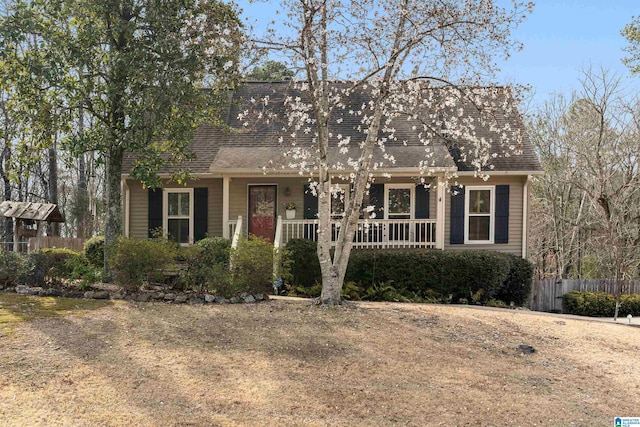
(136, 67)
(422, 61)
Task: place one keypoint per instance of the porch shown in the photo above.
(405, 214)
(370, 234)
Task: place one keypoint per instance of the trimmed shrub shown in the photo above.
(600, 304)
(304, 265)
(208, 264)
(252, 264)
(94, 251)
(50, 265)
(13, 266)
(517, 286)
(419, 274)
(81, 269)
(478, 275)
(138, 261)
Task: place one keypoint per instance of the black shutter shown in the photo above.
(502, 214)
(376, 199)
(200, 212)
(422, 202)
(310, 210)
(155, 211)
(457, 216)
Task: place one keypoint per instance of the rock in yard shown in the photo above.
(526, 349)
(249, 298)
(235, 300)
(89, 294)
(26, 290)
(180, 299)
(142, 298)
(209, 298)
(53, 293)
(101, 295)
(169, 297)
(221, 300)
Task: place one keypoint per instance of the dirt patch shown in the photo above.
(289, 363)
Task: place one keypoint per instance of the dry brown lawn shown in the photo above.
(288, 363)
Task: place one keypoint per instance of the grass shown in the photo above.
(15, 308)
(286, 363)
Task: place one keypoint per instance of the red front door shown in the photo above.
(262, 211)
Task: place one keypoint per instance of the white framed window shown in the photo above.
(399, 201)
(339, 199)
(479, 214)
(177, 215)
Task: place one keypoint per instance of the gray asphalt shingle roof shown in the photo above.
(252, 146)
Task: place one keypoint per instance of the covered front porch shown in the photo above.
(407, 215)
(370, 234)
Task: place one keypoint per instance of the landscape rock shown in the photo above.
(221, 300)
(195, 299)
(181, 299)
(158, 295)
(101, 295)
(117, 296)
(53, 292)
(526, 349)
(209, 298)
(89, 294)
(26, 290)
(169, 297)
(73, 294)
(142, 298)
(249, 299)
(234, 300)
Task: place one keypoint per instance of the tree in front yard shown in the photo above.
(426, 62)
(137, 68)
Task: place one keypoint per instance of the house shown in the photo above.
(232, 195)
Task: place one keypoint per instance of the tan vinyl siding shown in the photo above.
(139, 206)
(516, 187)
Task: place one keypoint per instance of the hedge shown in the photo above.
(600, 304)
(472, 275)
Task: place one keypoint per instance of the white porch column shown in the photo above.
(225, 207)
(16, 225)
(440, 212)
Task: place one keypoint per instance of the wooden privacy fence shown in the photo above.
(57, 242)
(546, 295)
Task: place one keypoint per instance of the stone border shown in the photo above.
(144, 296)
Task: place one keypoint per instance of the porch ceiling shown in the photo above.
(281, 159)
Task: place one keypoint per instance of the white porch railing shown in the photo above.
(235, 229)
(371, 234)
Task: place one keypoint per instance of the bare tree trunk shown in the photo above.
(113, 227)
(81, 198)
(53, 184)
